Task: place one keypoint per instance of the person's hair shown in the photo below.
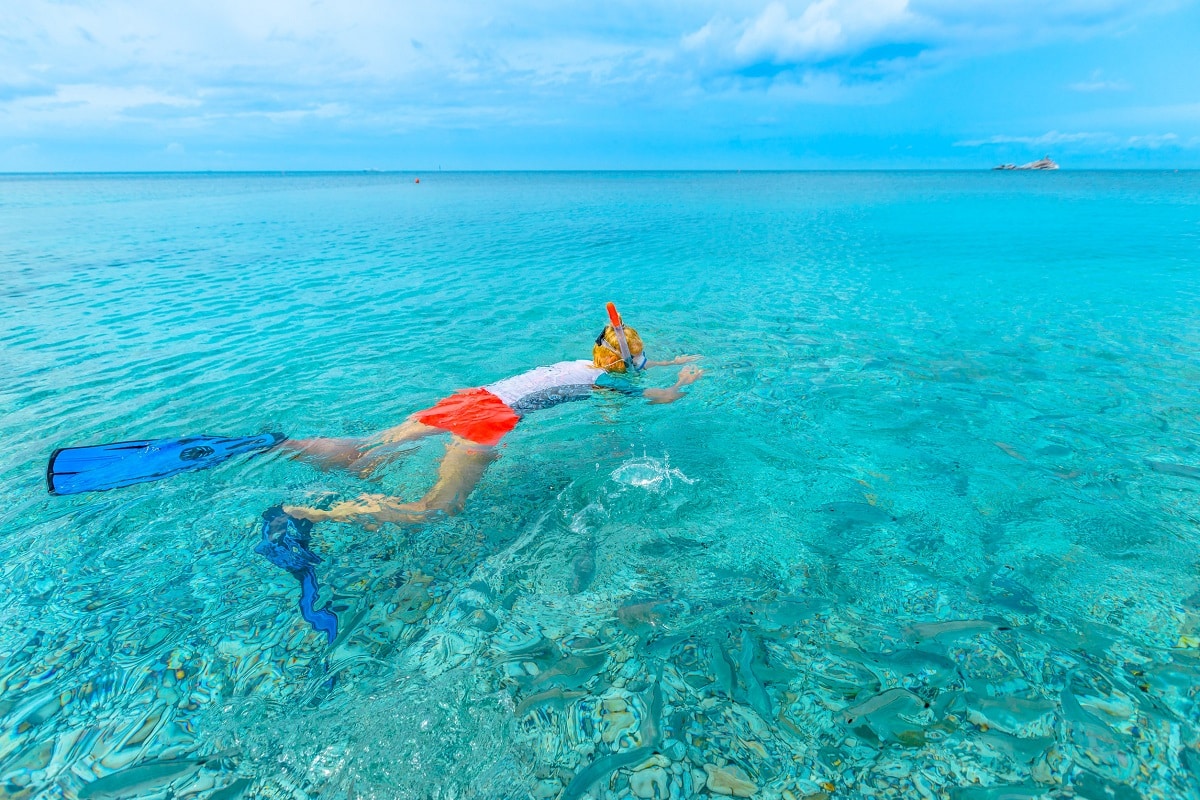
(610, 360)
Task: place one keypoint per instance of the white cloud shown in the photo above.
(1049, 138)
(1097, 83)
(1099, 86)
(382, 63)
(91, 104)
(801, 32)
(322, 111)
(1152, 141)
(821, 29)
(1104, 141)
(286, 62)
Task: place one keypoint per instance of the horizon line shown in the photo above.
(439, 170)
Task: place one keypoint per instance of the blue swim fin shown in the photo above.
(285, 543)
(108, 466)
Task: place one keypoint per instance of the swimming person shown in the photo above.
(477, 419)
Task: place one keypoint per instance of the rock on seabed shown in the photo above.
(649, 783)
(729, 780)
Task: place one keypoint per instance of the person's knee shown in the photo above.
(449, 504)
(451, 508)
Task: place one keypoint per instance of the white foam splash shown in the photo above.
(649, 473)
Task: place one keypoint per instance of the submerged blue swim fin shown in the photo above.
(108, 466)
(285, 543)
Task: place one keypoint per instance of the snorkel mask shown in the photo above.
(631, 362)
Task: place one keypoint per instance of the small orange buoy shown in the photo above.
(418, 180)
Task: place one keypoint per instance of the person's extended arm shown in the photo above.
(687, 376)
(673, 362)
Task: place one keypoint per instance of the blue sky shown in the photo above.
(534, 84)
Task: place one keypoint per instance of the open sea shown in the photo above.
(929, 525)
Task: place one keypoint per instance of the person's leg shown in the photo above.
(407, 431)
(359, 455)
(458, 474)
(326, 452)
(384, 447)
(368, 509)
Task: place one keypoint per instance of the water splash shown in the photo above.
(649, 473)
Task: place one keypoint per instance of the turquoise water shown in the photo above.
(927, 527)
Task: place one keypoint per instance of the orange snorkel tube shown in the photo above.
(619, 329)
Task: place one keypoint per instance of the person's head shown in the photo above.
(606, 353)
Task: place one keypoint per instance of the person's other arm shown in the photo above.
(673, 362)
(687, 376)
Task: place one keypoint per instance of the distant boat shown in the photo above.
(1041, 163)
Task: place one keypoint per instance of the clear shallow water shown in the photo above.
(927, 526)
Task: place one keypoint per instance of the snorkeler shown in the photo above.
(477, 419)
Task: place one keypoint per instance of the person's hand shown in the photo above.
(688, 376)
(684, 359)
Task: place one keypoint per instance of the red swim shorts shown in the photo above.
(474, 414)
